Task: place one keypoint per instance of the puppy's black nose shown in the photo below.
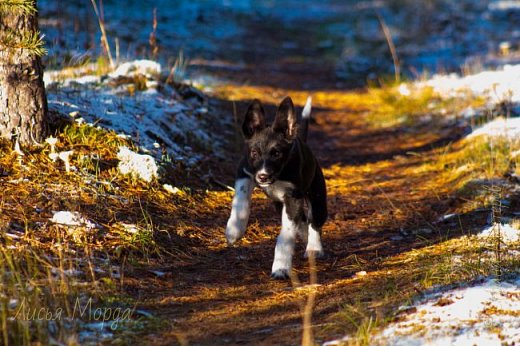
(262, 178)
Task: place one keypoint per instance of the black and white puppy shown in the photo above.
(279, 162)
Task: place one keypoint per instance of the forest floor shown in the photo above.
(408, 194)
(386, 240)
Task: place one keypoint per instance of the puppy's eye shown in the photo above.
(276, 154)
(254, 154)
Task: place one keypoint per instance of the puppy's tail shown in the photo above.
(306, 118)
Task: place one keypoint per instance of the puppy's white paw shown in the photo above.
(235, 230)
(314, 244)
(280, 274)
(237, 223)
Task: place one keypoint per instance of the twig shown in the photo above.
(104, 38)
(390, 42)
(118, 60)
(385, 195)
(153, 35)
(221, 184)
(308, 336)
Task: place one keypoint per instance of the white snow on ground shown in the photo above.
(138, 166)
(487, 313)
(499, 85)
(171, 189)
(69, 218)
(484, 314)
(153, 117)
(507, 232)
(147, 68)
(499, 127)
(502, 85)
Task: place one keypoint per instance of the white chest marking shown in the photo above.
(277, 190)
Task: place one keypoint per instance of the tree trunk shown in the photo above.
(23, 103)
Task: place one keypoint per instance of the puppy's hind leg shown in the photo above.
(237, 222)
(317, 215)
(314, 245)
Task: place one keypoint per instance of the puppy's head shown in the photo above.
(269, 147)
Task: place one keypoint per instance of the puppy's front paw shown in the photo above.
(280, 274)
(235, 230)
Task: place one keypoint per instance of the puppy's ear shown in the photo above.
(285, 120)
(254, 120)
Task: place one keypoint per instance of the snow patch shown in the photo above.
(482, 314)
(499, 85)
(469, 113)
(507, 232)
(71, 218)
(50, 77)
(137, 165)
(171, 189)
(404, 90)
(485, 312)
(499, 127)
(149, 117)
(147, 68)
(130, 227)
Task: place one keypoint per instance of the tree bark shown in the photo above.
(23, 103)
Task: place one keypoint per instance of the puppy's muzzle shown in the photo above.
(264, 179)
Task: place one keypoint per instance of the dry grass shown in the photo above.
(45, 264)
(85, 67)
(417, 104)
(401, 278)
(468, 167)
(49, 267)
(469, 170)
(382, 106)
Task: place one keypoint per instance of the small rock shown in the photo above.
(158, 273)
(423, 231)
(443, 302)
(396, 238)
(407, 310)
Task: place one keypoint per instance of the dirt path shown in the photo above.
(377, 195)
(378, 192)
